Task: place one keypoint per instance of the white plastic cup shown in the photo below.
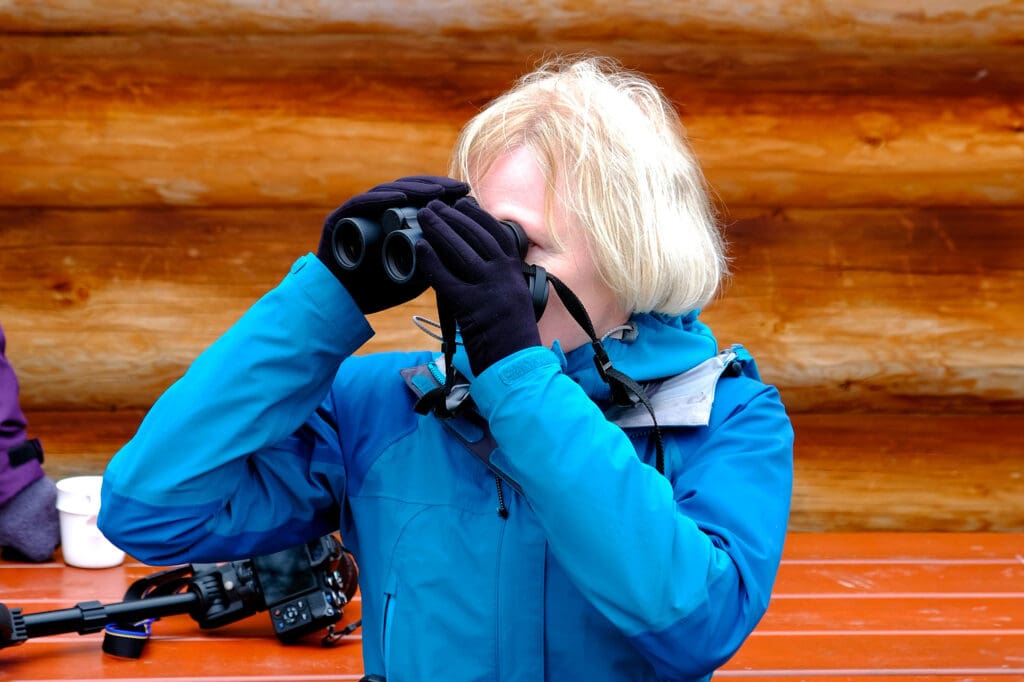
(82, 543)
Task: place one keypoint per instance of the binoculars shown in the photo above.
(388, 245)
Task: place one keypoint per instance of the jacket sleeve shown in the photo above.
(229, 463)
(683, 564)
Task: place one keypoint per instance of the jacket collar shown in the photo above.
(663, 346)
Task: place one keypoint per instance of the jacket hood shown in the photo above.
(663, 346)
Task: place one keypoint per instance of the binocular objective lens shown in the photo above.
(352, 251)
(400, 257)
(350, 241)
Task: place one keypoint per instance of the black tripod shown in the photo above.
(304, 588)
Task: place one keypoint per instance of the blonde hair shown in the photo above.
(616, 147)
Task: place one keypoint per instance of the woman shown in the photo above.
(623, 520)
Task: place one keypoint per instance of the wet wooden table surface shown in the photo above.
(859, 606)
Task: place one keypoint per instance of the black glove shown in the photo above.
(369, 286)
(473, 265)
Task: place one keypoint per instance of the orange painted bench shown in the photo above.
(846, 606)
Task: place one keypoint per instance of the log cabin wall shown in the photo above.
(163, 163)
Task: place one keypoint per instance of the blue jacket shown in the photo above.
(602, 569)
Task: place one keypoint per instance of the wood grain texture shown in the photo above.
(250, 121)
(880, 310)
(939, 473)
(861, 22)
(927, 472)
(870, 310)
(81, 442)
(325, 70)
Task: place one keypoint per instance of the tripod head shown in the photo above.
(304, 588)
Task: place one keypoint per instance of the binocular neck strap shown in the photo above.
(436, 400)
(449, 343)
(625, 390)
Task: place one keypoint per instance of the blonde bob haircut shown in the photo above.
(614, 153)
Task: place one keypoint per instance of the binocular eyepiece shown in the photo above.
(390, 245)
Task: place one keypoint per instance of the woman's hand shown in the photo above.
(473, 264)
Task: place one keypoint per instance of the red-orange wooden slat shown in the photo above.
(959, 655)
(870, 676)
(944, 613)
(882, 578)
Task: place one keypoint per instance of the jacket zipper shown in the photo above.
(502, 509)
(386, 632)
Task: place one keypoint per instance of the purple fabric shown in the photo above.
(30, 523)
(12, 433)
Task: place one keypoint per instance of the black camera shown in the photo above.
(389, 244)
(304, 589)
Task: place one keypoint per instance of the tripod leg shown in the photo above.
(12, 627)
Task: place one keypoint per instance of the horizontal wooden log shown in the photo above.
(324, 69)
(880, 310)
(81, 442)
(862, 22)
(269, 121)
(863, 310)
(901, 472)
(852, 472)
